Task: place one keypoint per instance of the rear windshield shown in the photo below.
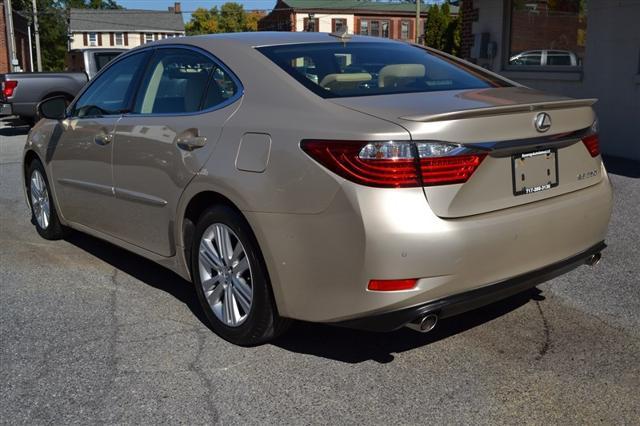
(336, 70)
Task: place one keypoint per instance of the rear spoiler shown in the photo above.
(502, 109)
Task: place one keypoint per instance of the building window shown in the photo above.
(404, 30)
(311, 25)
(339, 25)
(385, 29)
(148, 37)
(93, 39)
(374, 28)
(118, 39)
(545, 34)
(364, 27)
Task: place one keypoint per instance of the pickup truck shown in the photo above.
(20, 93)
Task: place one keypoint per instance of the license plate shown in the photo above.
(534, 171)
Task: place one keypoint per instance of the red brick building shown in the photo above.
(21, 34)
(378, 19)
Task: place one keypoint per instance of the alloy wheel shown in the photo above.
(40, 199)
(225, 274)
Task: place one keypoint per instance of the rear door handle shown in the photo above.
(104, 139)
(190, 143)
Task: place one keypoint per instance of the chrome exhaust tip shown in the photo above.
(424, 324)
(594, 259)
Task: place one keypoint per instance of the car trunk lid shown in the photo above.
(522, 165)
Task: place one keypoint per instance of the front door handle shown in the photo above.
(104, 139)
(190, 143)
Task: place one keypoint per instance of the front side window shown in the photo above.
(110, 92)
(175, 82)
(118, 39)
(93, 39)
(361, 69)
(547, 33)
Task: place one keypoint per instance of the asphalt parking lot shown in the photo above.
(91, 333)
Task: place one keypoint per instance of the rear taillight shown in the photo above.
(592, 142)
(8, 87)
(396, 164)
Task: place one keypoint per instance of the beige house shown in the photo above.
(122, 28)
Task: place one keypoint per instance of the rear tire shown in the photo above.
(236, 295)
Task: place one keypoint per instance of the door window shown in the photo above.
(110, 92)
(175, 82)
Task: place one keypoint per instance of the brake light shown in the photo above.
(8, 87)
(592, 142)
(396, 164)
(392, 285)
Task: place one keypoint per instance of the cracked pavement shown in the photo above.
(90, 333)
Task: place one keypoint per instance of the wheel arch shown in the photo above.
(188, 217)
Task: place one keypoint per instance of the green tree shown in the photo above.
(252, 19)
(232, 18)
(434, 27)
(442, 31)
(203, 21)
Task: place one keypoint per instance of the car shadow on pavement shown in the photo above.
(331, 342)
(141, 269)
(16, 127)
(355, 346)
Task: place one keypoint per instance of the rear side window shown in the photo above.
(182, 81)
(360, 69)
(175, 82)
(111, 91)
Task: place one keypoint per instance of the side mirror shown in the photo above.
(54, 108)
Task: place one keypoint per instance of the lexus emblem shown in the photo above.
(542, 122)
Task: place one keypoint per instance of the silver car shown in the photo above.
(345, 180)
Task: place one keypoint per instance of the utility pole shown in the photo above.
(36, 34)
(8, 13)
(417, 21)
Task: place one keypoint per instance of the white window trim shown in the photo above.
(93, 42)
(148, 38)
(119, 42)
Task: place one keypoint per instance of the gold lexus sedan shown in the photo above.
(331, 178)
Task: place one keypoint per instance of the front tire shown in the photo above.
(43, 211)
(231, 279)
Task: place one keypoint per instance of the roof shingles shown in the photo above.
(130, 20)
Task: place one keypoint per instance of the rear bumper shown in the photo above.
(320, 264)
(5, 109)
(469, 300)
